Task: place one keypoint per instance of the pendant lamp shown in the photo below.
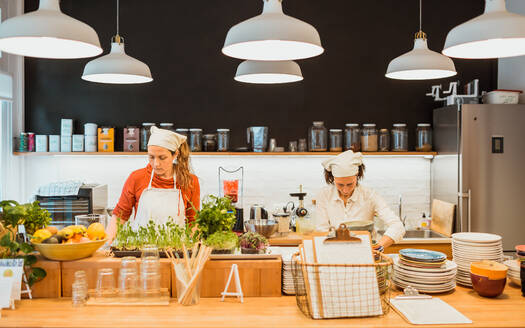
(421, 63)
(268, 72)
(48, 33)
(272, 35)
(117, 67)
(496, 33)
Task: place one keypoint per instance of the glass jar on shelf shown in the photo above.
(167, 126)
(352, 137)
(317, 137)
(424, 137)
(384, 140)
(223, 139)
(336, 140)
(400, 137)
(145, 133)
(369, 137)
(195, 140)
(184, 132)
(209, 142)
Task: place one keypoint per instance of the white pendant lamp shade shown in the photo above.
(117, 68)
(48, 33)
(272, 36)
(495, 34)
(420, 64)
(268, 72)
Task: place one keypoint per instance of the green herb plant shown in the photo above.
(222, 240)
(33, 217)
(168, 235)
(253, 240)
(216, 214)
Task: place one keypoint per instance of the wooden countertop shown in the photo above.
(504, 311)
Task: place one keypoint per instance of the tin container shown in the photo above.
(223, 139)
(54, 143)
(41, 143)
(90, 129)
(22, 142)
(106, 139)
(78, 142)
(90, 144)
(30, 141)
(145, 133)
(131, 139)
(66, 127)
(66, 144)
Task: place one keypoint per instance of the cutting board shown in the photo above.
(442, 217)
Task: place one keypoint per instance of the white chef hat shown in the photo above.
(165, 138)
(344, 165)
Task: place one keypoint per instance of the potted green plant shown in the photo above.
(222, 242)
(216, 214)
(33, 217)
(253, 243)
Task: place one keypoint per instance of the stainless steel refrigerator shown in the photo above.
(480, 167)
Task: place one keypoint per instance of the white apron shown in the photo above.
(159, 205)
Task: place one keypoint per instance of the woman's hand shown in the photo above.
(385, 242)
(111, 229)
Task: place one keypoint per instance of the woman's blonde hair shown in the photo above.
(182, 167)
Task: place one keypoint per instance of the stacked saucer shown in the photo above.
(427, 271)
(286, 254)
(514, 271)
(468, 247)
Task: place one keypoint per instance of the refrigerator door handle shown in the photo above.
(468, 196)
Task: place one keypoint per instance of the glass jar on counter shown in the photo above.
(145, 133)
(223, 139)
(369, 137)
(336, 140)
(424, 137)
(400, 137)
(384, 140)
(196, 139)
(352, 137)
(317, 137)
(167, 126)
(184, 132)
(209, 142)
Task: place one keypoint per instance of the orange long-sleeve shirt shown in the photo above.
(138, 181)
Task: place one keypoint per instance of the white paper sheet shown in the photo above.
(432, 311)
(13, 268)
(6, 287)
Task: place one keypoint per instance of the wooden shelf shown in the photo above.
(411, 153)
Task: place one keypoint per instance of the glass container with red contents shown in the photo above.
(231, 186)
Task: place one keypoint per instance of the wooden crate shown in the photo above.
(50, 286)
(92, 264)
(258, 277)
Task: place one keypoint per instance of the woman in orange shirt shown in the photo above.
(165, 189)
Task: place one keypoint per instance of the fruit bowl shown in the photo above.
(69, 252)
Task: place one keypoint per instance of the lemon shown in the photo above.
(40, 235)
(96, 231)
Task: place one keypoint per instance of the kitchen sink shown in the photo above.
(417, 234)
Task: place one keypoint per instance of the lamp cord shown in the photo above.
(420, 13)
(118, 22)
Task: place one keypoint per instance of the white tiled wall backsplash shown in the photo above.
(268, 179)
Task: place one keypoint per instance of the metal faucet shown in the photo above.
(403, 219)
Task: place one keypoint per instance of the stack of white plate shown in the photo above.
(425, 280)
(468, 247)
(286, 254)
(514, 271)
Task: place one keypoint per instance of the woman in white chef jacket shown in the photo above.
(165, 189)
(344, 199)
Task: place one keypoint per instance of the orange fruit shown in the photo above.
(96, 231)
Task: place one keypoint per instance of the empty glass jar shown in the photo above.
(384, 140)
(317, 137)
(352, 137)
(145, 133)
(184, 132)
(336, 140)
(424, 137)
(196, 139)
(369, 137)
(400, 137)
(223, 139)
(167, 126)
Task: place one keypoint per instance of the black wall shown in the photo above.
(193, 84)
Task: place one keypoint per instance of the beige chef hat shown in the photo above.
(165, 138)
(344, 165)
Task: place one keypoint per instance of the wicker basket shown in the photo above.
(326, 294)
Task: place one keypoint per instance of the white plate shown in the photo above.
(449, 265)
(516, 281)
(426, 274)
(424, 285)
(474, 244)
(476, 237)
(425, 289)
(513, 265)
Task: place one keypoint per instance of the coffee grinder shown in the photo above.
(300, 211)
